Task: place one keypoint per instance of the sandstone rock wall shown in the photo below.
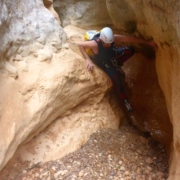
(83, 13)
(25, 41)
(49, 5)
(158, 20)
(44, 81)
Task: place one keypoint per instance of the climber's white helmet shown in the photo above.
(107, 35)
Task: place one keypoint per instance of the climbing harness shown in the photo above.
(118, 67)
(128, 105)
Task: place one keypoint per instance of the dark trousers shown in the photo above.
(122, 54)
(111, 68)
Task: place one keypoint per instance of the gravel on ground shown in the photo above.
(124, 154)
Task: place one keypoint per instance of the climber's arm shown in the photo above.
(90, 45)
(130, 39)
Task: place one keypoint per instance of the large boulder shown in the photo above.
(44, 81)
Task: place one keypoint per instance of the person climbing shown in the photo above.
(109, 57)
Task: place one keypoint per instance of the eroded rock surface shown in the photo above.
(158, 20)
(49, 5)
(44, 80)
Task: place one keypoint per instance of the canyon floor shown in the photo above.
(108, 155)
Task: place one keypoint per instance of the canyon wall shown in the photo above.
(154, 84)
(45, 84)
(44, 80)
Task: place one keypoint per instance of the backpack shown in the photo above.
(91, 35)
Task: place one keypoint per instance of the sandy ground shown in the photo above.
(108, 155)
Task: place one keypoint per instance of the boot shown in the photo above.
(128, 105)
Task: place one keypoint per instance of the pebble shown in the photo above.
(101, 175)
(120, 163)
(147, 171)
(53, 168)
(122, 168)
(81, 173)
(56, 175)
(24, 172)
(149, 168)
(126, 173)
(149, 160)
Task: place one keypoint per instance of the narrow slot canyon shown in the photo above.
(60, 121)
